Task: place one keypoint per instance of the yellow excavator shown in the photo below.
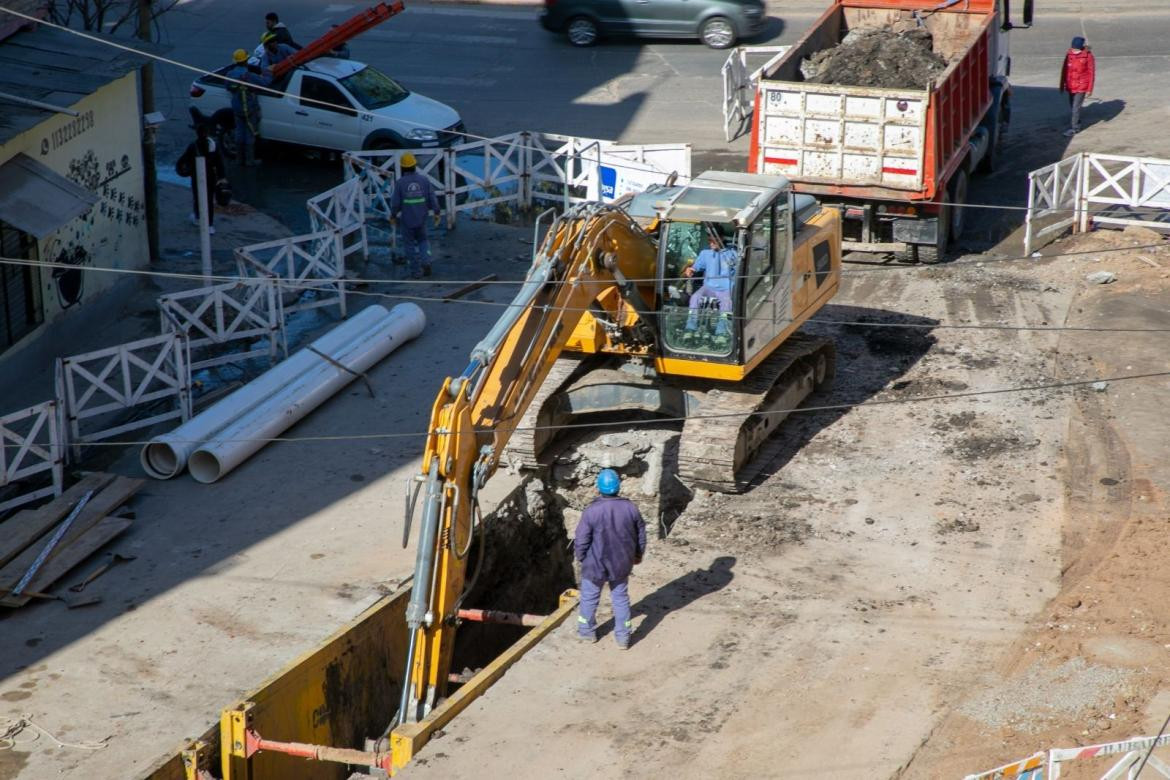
(611, 317)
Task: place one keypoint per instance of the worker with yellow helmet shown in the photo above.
(245, 105)
(413, 198)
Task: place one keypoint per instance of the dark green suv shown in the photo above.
(717, 23)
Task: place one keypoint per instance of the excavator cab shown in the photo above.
(725, 242)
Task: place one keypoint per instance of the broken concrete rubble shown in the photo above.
(888, 57)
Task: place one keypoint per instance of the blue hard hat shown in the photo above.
(608, 482)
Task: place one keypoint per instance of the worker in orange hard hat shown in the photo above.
(413, 198)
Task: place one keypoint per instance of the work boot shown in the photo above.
(623, 644)
(590, 638)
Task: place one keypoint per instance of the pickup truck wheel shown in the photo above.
(381, 146)
(582, 31)
(718, 33)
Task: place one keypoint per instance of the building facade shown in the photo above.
(71, 184)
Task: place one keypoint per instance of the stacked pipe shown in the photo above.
(217, 440)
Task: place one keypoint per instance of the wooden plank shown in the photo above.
(95, 537)
(473, 286)
(121, 489)
(24, 528)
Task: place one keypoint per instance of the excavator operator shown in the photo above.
(717, 264)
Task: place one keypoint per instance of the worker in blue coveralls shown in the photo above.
(413, 198)
(274, 51)
(718, 266)
(610, 541)
(245, 105)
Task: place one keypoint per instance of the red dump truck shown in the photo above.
(892, 160)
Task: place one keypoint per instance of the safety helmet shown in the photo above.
(408, 160)
(268, 36)
(608, 482)
(239, 55)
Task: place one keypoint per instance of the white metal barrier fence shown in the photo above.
(31, 445)
(246, 311)
(1102, 189)
(520, 168)
(309, 268)
(1046, 765)
(102, 383)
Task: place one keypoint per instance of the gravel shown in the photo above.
(1073, 688)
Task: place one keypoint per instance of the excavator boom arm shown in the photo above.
(584, 254)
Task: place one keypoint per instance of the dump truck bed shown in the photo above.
(873, 142)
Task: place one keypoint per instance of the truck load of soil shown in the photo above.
(877, 58)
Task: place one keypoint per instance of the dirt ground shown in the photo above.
(919, 589)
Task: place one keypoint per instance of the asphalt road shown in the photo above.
(502, 72)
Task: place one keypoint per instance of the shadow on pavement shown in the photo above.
(677, 594)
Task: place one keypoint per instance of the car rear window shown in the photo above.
(374, 89)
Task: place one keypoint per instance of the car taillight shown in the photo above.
(196, 90)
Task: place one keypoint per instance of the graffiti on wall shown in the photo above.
(117, 208)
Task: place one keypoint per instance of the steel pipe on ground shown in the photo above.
(249, 431)
(166, 455)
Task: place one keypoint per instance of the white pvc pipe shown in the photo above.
(166, 455)
(250, 431)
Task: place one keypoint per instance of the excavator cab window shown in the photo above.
(698, 310)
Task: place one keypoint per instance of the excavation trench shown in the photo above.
(528, 557)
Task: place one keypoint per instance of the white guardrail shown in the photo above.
(1096, 189)
(1136, 754)
(237, 320)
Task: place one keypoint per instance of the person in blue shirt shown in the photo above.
(245, 105)
(274, 51)
(718, 266)
(610, 540)
(413, 198)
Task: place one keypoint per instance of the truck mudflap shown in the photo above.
(916, 231)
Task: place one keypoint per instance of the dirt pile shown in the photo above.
(877, 58)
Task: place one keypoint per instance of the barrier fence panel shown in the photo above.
(342, 208)
(1047, 765)
(561, 167)
(1123, 190)
(212, 317)
(310, 268)
(482, 174)
(98, 386)
(1054, 190)
(376, 182)
(31, 445)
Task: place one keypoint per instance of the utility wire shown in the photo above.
(328, 284)
(21, 261)
(1048, 386)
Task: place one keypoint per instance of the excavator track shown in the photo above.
(727, 441)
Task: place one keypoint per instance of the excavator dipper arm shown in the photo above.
(585, 253)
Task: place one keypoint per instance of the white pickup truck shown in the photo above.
(375, 112)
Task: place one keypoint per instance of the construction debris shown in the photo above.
(879, 57)
(1101, 277)
(77, 523)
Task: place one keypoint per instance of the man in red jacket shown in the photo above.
(1076, 78)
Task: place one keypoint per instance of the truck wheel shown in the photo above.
(718, 32)
(957, 195)
(582, 31)
(998, 134)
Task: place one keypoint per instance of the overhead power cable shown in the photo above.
(937, 397)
